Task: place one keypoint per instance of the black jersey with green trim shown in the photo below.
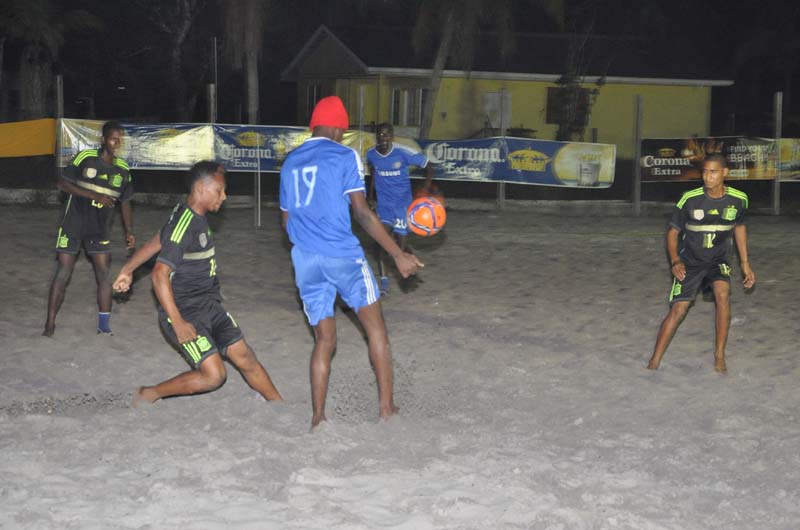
(706, 224)
(188, 249)
(86, 218)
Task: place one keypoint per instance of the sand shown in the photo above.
(520, 374)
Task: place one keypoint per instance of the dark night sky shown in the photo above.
(756, 44)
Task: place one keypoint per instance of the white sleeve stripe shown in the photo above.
(362, 188)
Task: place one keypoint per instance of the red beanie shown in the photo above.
(329, 112)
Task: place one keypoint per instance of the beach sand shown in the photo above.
(519, 370)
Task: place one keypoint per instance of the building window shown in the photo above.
(407, 105)
(559, 100)
(497, 110)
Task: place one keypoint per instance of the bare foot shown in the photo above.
(653, 365)
(386, 414)
(49, 329)
(720, 366)
(144, 396)
(316, 420)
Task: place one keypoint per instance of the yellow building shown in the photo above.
(380, 78)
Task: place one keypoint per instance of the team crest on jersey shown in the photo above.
(698, 214)
(203, 240)
(90, 172)
(729, 213)
(116, 180)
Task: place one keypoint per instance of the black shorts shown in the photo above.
(697, 277)
(72, 245)
(216, 330)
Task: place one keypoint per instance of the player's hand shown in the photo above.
(105, 200)
(184, 331)
(679, 270)
(749, 276)
(130, 241)
(123, 282)
(407, 264)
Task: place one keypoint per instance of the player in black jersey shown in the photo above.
(96, 180)
(190, 307)
(697, 244)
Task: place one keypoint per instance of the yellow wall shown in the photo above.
(669, 111)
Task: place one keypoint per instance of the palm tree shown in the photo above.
(176, 19)
(244, 35)
(456, 22)
(40, 26)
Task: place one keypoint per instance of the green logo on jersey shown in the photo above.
(116, 180)
(729, 213)
(203, 343)
(103, 177)
(713, 211)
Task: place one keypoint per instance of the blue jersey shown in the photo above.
(316, 180)
(392, 182)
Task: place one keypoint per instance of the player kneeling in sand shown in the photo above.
(190, 308)
(701, 225)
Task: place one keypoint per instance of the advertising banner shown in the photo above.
(524, 161)
(790, 158)
(255, 147)
(263, 148)
(162, 146)
(677, 159)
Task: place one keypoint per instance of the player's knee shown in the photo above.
(679, 309)
(214, 372)
(326, 343)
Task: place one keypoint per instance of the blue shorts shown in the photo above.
(395, 216)
(319, 278)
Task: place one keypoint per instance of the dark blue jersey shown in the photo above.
(188, 249)
(706, 224)
(85, 218)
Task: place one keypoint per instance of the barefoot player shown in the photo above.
(391, 181)
(697, 243)
(320, 181)
(190, 310)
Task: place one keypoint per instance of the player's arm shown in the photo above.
(428, 176)
(371, 195)
(406, 263)
(73, 189)
(127, 224)
(284, 219)
(740, 235)
(139, 258)
(676, 265)
(163, 287)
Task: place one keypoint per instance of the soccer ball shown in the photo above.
(426, 216)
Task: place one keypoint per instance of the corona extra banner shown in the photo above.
(523, 161)
(263, 148)
(676, 159)
(257, 147)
